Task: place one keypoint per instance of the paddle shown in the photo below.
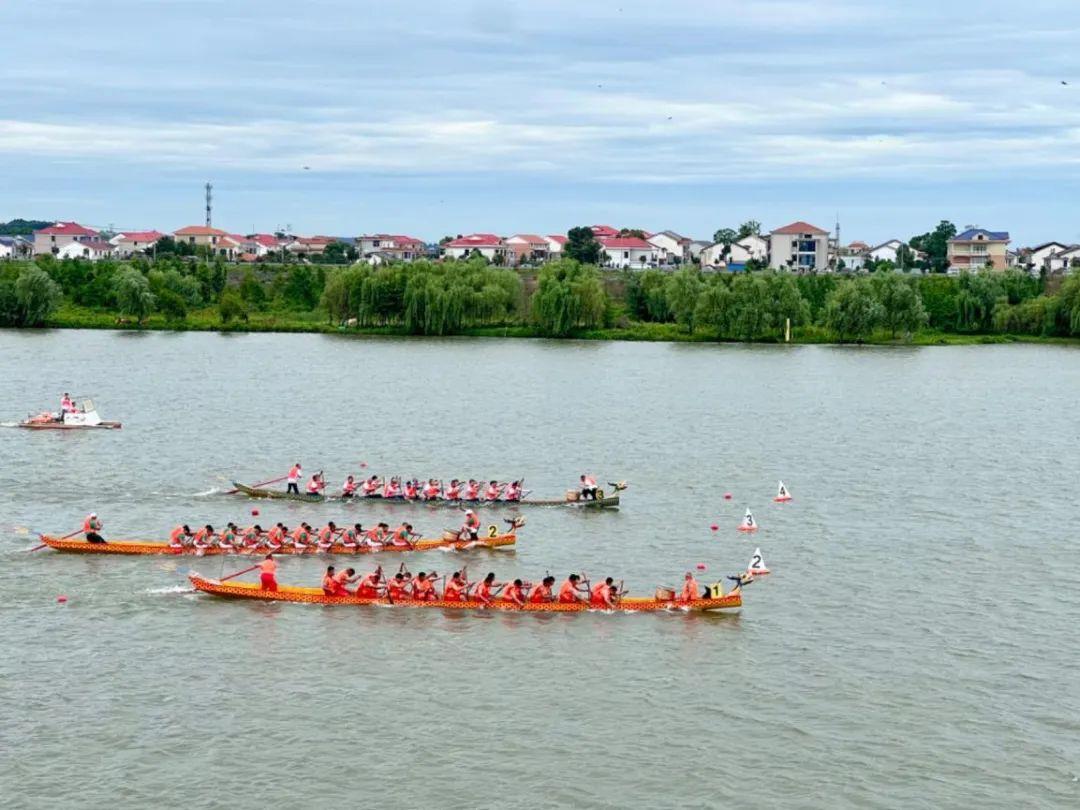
(238, 573)
(262, 484)
(65, 537)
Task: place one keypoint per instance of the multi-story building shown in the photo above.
(977, 248)
(488, 245)
(671, 247)
(56, 236)
(391, 247)
(626, 251)
(204, 235)
(800, 247)
(528, 248)
(128, 243)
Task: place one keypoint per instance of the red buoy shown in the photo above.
(701, 566)
(61, 599)
(714, 527)
(255, 512)
(727, 496)
(363, 464)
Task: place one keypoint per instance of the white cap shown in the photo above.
(469, 512)
(93, 514)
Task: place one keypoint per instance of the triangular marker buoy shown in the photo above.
(748, 523)
(757, 564)
(782, 495)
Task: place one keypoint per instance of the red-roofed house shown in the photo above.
(528, 247)
(256, 245)
(799, 246)
(391, 247)
(626, 251)
(488, 245)
(56, 236)
(128, 243)
(204, 235)
(556, 242)
(604, 230)
(92, 250)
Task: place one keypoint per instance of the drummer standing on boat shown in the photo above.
(267, 571)
(294, 479)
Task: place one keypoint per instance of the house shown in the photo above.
(1062, 261)
(800, 246)
(696, 247)
(309, 245)
(93, 250)
(1040, 254)
(854, 256)
(887, 251)
(200, 235)
(528, 248)
(257, 245)
(604, 231)
(976, 248)
(556, 243)
(15, 247)
(394, 247)
(671, 247)
(626, 251)
(488, 245)
(128, 243)
(735, 256)
(56, 236)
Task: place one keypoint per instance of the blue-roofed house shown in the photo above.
(978, 248)
(15, 247)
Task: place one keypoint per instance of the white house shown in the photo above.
(527, 247)
(555, 243)
(800, 246)
(392, 246)
(696, 247)
(15, 247)
(1061, 261)
(738, 254)
(1040, 254)
(488, 245)
(626, 251)
(671, 248)
(129, 243)
(886, 251)
(87, 250)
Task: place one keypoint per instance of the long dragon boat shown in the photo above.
(315, 596)
(601, 502)
(154, 547)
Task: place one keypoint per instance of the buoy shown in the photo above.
(701, 566)
(757, 564)
(748, 523)
(715, 528)
(255, 512)
(727, 496)
(61, 599)
(363, 464)
(782, 495)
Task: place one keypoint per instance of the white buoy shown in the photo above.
(757, 564)
(748, 523)
(782, 495)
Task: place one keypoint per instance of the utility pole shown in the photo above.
(209, 202)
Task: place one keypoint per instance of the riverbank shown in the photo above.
(209, 320)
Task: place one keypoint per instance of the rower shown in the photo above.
(401, 535)
(453, 492)
(602, 594)
(370, 487)
(350, 537)
(515, 592)
(392, 488)
(301, 537)
(369, 584)
(690, 590)
(423, 588)
(542, 592)
(375, 537)
(455, 588)
(179, 537)
(326, 537)
(588, 488)
(227, 538)
(250, 536)
(203, 538)
(275, 538)
(570, 591)
(396, 588)
(331, 585)
(411, 490)
(92, 529)
(513, 491)
(470, 529)
(67, 405)
(472, 491)
(294, 479)
(267, 570)
(348, 489)
(488, 588)
(316, 485)
(432, 490)
(493, 491)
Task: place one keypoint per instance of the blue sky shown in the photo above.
(443, 118)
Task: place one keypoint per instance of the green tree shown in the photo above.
(172, 305)
(681, 291)
(301, 291)
(935, 245)
(977, 297)
(252, 291)
(36, 296)
(581, 246)
(1069, 298)
(231, 306)
(568, 296)
(133, 294)
(751, 316)
(749, 228)
(901, 304)
(852, 312)
(939, 296)
(714, 306)
(786, 301)
(725, 236)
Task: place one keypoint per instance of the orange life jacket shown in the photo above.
(568, 592)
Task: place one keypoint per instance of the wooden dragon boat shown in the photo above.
(155, 547)
(602, 501)
(315, 596)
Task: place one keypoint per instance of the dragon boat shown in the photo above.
(602, 501)
(315, 596)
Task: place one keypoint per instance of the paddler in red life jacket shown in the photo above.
(423, 588)
(513, 491)
(370, 487)
(588, 488)
(294, 478)
(392, 489)
(493, 491)
(432, 490)
(326, 537)
(470, 529)
(267, 570)
(348, 489)
(542, 592)
(316, 485)
(333, 584)
(179, 537)
(454, 591)
(91, 529)
(472, 491)
(571, 592)
(690, 590)
(375, 537)
(301, 538)
(488, 589)
(275, 538)
(401, 535)
(397, 588)
(515, 592)
(603, 594)
(369, 584)
(453, 492)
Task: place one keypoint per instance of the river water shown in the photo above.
(915, 645)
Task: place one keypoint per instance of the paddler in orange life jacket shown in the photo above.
(203, 538)
(472, 491)
(470, 529)
(370, 486)
(350, 537)
(493, 491)
(251, 535)
(91, 529)
(375, 537)
(326, 536)
(397, 587)
(301, 537)
(690, 590)
(411, 490)
(348, 489)
(432, 490)
(571, 592)
(401, 535)
(423, 587)
(513, 491)
(515, 592)
(275, 538)
(455, 588)
(333, 584)
(316, 485)
(392, 489)
(267, 570)
(179, 537)
(603, 594)
(453, 492)
(227, 539)
(294, 479)
(542, 592)
(488, 589)
(588, 488)
(369, 584)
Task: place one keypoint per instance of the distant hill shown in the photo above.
(22, 227)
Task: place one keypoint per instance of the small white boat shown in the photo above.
(85, 418)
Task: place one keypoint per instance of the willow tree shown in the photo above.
(786, 301)
(133, 295)
(682, 290)
(568, 296)
(851, 311)
(901, 304)
(36, 296)
(751, 311)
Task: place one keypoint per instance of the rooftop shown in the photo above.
(66, 229)
(976, 233)
(199, 230)
(801, 227)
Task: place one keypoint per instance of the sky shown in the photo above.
(344, 117)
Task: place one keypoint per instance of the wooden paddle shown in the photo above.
(65, 537)
(256, 486)
(238, 573)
